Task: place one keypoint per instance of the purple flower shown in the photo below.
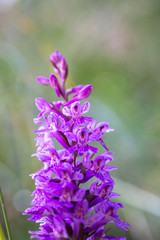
(61, 204)
(43, 106)
(81, 138)
(98, 131)
(75, 112)
(103, 190)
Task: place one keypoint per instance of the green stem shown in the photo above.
(2, 237)
(5, 215)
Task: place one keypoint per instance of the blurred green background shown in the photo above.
(113, 45)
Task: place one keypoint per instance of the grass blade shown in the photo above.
(5, 215)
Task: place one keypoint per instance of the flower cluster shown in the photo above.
(61, 204)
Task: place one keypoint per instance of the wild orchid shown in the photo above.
(62, 205)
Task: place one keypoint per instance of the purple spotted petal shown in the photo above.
(85, 107)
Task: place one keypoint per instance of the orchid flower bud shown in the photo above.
(42, 80)
(54, 84)
(59, 64)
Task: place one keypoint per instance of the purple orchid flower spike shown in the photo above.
(62, 206)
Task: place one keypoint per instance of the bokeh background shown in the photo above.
(114, 45)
